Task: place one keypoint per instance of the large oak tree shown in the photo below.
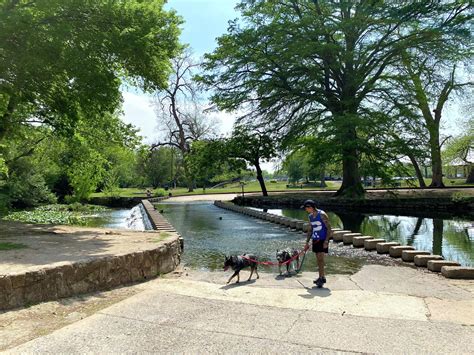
(294, 63)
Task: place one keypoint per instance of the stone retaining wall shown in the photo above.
(69, 279)
(421, 207)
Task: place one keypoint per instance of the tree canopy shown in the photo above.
(294, 64)
(63, 59)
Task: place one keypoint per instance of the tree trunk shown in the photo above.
(351, 185)
(470, 177)
(323, 180)
(436, 163)
(418, 172)
(437, 236)
(187, 175)
(260, 178)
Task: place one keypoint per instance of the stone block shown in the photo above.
(409, 255)
(371, 244)
(422, 260)
(337, 236)
(299, 225)
(358, 242)
(293, 223)
(436, 265)
(383, 248)
(347, 238)
(458, 272)
(396, 251)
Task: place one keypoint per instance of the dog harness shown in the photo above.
(318, 227)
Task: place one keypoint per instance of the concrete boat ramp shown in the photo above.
(380, 309)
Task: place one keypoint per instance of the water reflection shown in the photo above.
(451, 238)
(208, 238)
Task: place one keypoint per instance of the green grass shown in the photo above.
(254, 186)
(73, 214)
(11, 246)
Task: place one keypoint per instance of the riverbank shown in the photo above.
(414, 202)
(47, 262)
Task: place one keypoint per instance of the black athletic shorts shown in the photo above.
(318, 247)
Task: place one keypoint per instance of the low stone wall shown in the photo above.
(421, 207)
(68, 279)
(158, 222)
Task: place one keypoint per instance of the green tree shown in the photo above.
(66, 59)
(253, 146)
(291, 64)
(460, 149)
(211, 161)
(427, 86)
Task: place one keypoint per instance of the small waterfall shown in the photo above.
(138, 219)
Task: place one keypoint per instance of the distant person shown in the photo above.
(319, 232)
(148, 193)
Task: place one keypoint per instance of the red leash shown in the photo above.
(271, 263)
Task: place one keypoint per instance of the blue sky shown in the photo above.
(205, 20)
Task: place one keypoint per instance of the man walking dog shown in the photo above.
(319, 232)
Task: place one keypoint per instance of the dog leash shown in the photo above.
(271, 263)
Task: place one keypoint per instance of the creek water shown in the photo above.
(211, 232)
(119, 219)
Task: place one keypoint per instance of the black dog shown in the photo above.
(240, 262)
(285, 255)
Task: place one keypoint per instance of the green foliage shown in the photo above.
(158, 167)
(63, 59)
(11, 246)
(211, 161)
(55, 214)
(299, 67)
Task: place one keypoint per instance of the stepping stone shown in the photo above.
(409, 255)
(396, 251)
(292, 223)
(337, 236)
(299, 225)
(274, 218)
(422, 260)
(371, 244)
(347, 238)
(358, 242)
(458, 272)
(383, 248)
(436, 265)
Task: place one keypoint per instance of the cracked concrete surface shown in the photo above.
(370, 312)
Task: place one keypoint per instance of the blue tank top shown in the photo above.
(319, 229)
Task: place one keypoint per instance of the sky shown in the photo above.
(205, 20)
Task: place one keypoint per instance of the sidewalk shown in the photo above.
(380, 309)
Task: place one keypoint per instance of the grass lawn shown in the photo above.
(253, 186)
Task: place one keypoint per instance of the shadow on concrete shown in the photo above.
(316, 292)
(235, 284)
(285, 276)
